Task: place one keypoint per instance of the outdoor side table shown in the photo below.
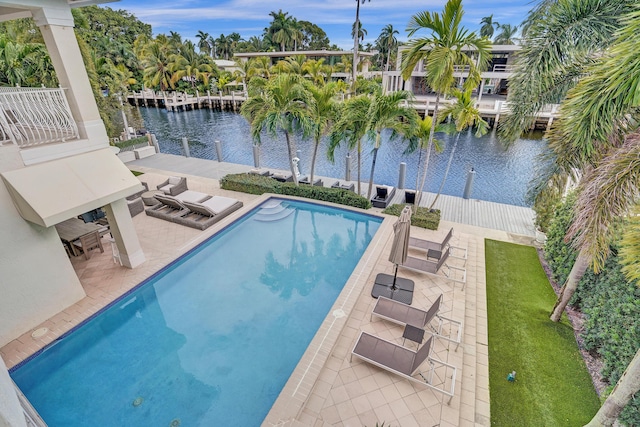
(149, 199)
(413, 333)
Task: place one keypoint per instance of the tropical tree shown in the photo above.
(280, 104)
(282, 29)
(323, 113)
(155, 63)
(488, 25)
(204, 42)
(507, 34)
(464, 114)
(559, 40)
(441, 51)
(351, 127)
(387, 40)
(356, 44)
(420, 140)
(361, 32)
(318, 71)
(388, 111)
(190, 65)
(260, 66)
(597, 133)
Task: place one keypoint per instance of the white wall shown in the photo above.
(36, 278)
(10, 410)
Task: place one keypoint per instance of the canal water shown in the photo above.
(501, 175)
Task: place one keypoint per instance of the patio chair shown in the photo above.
(405, 362)
(282, 177)
(346, 186)
(259, 171)
(316, 182)
(137, 194)
(89, 242)
(427, 266)
(435, 249)
(173, 185)
(205, 214)
(135, 206)
(383, 196)
(403, 314)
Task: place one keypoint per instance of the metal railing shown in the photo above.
(35, 116)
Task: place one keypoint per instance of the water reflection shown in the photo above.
(501, 175)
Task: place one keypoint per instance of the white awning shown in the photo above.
(51, 192)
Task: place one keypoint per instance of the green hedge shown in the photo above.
(421, 217)
(133, 141)
(256, 184)
(610, 303)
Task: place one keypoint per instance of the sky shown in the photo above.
(335, 17)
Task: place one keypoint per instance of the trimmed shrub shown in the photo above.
(132, 142)
(421, 217)
(256, 184)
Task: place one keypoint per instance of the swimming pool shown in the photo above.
(211, 339)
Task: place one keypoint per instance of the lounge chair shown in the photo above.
(282, 177)
(405, 362)
(173, 185)
(167, 209)
(192, 196)
(427, 266)
(261, 172)
(383, 196)
(404, 314)
(346, 186)
(435, 249)
(317, 182)
(205, 214)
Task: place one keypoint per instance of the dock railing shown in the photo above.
(35, 116)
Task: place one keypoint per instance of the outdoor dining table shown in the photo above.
(72, 229)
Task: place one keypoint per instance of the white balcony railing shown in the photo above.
(32, 116)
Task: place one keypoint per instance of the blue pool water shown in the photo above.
(212, 339)
(502, 175)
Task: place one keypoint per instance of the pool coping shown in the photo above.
(298, 388)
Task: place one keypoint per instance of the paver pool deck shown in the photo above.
(337, 391)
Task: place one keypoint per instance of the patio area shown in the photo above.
(343, 392)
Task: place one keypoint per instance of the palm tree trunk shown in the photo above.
(373, 163)
(313, 161)
(429, 144)
(577, 271)
(290, 150)
(628, 385)
(386, 68)
(446, 171)
(355, 46)
(359, 163)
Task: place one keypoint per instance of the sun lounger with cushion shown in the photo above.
(404, 314)
(205, 214)
(350, 186)
(168, 208)
(427, 266)
(435, 249)
(405, 362)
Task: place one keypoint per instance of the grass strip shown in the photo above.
(552, 387)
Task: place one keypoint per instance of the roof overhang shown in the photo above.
(49, 193)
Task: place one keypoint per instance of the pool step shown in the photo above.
(273, 210)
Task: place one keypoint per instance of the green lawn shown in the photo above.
(552, 387)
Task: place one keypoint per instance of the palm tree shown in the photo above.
(387, 39)
(464, 114)
(280, 104)
(187, 63)
(323, 113)
(559, 40)
(282, 29)
(203, 42)
(442, 50)
(360, 33)
(318, 71)
(597, 133)
(421, 138)
(356, 43)
(351, 127)
(260, 66)
(155, 62)
(387, 111)
(507, 33)
(488, 25)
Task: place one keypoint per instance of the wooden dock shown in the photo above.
(516, 220)
(490, 109)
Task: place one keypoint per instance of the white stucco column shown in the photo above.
(481, 90)
(56, 25)
(124, 233)
(10, 410)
